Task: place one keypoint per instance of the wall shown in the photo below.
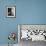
(7, 25)
(27, 12)
(31, 11)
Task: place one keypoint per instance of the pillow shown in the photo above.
(24, 34)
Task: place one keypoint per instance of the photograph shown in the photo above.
(11, 11)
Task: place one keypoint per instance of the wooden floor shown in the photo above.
(30, 43)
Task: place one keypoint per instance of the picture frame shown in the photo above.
(11, 11)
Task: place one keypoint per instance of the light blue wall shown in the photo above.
(31, 11)
(7, 25)
(27, 12)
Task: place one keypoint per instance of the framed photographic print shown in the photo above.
(11, 11)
